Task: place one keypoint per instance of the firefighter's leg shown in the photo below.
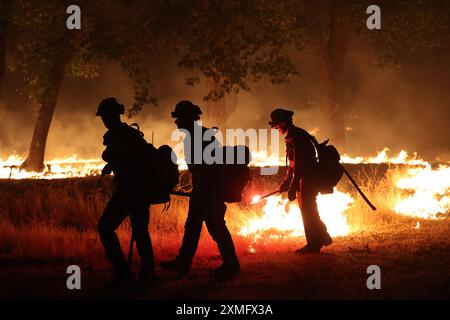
(215, 222)
(306, 218)
(315, 230)
(139, 223)
(114, 214)
(191, 237)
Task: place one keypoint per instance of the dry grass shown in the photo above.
(54, 223)
(57, 219)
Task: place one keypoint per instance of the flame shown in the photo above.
(256, 199)
(263, 159)
(429, 188)
(425, 191)
(75, 167)
(55, 169)
(283, 218)
(382, 157)
(430, 192)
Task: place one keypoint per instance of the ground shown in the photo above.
(414, 265)
(45, 226)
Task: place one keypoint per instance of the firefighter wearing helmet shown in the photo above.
(299, 181)
(124, 145)
(206, 203)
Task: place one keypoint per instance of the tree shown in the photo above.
(232, 43)
(408, 27)
(48, 51)
(216, 111)
(236, 43)
(5, 26)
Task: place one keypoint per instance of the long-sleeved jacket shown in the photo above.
(124, 153)
(204, 179)
(301, 154)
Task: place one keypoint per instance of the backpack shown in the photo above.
(159, 171)
(164, 175)
(235, 174)
(329, 170)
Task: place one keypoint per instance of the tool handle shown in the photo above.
(358, 189)
(270, 194)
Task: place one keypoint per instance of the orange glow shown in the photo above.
(425, 190)
(256, 199)
(55, 169)
(382, 157)
(430, 192)
(282, 218)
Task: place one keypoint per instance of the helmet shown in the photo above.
(110, 106)
(186, 108)
(279, 115)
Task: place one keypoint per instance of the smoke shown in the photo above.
(396, 108)
(404, 108)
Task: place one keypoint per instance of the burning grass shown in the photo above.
(46, 225)
(56, 219)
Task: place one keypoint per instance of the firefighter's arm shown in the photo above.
(287, 180)
(297, 172)
(107, 169)
(293, 186)
(301, 160)
(113, 156)
(297, 168)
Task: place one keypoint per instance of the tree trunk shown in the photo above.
(216, 112)
(332, 95)
(331, 51)
(35, 159)
(4, 28)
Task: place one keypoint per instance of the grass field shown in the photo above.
(46, 226)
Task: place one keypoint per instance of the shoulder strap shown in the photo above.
(315, 144)
(135, 126)
(312, 138)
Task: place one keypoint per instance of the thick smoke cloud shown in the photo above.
(396, 108)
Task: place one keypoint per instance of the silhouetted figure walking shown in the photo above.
(124, 157)
(300, 178)
(206, 203)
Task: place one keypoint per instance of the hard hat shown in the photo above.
(186, 108)
(110, 106)
(280, 115)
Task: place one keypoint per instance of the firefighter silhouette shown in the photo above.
(122, 154)
(206, 203)
(300, 181)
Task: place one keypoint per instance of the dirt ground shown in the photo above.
(414, 265)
